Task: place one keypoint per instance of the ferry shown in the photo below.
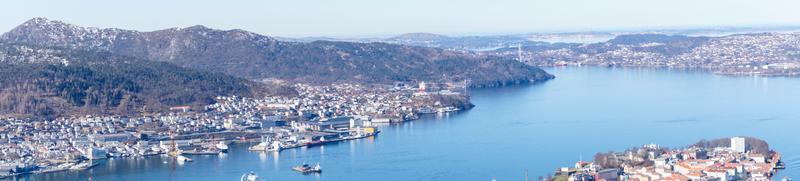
(249, 177)
(305, 168)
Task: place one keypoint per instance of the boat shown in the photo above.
(447, 109)
(249, 177)
(316, 143)
(182, 158)
(201, 152)
(267, 145)
(276, 146)
(305, 168)
(259, 147)
(57, 168)
(83, 166)
(222, 146)
(786, 178)
(780, 165)
(319, 142)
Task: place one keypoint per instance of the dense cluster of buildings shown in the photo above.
(766, 54)
(650, 162)
(318, 114)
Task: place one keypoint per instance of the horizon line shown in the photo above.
(611, 30)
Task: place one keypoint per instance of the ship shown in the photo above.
(319, 142)
(83, 166)
(201, 152)
(447, 109)
(780, 165)
(267, 144)
(222, 146)
(182, 158)
(305, 168)
(259, 147)
(249, 177)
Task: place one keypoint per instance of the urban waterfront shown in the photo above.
(539, 127)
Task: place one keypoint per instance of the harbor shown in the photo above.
(317, 116)
(536, 128)
(182, 151)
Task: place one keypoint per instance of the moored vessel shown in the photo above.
(222, 146)
(249, 177)
(305, 168)
(83, 166)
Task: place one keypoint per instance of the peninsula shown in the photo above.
(735, 158)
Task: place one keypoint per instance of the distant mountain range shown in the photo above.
(493, 42)
(50, 68)
(769, 51)
(754, 53)
(463, 42)
(470, 43)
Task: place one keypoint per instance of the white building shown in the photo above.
(738, 144)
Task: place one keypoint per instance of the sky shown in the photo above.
(364, 18)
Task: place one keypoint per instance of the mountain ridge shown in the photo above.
(52, 82)
(254, 56)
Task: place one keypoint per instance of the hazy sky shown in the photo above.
(345, 18)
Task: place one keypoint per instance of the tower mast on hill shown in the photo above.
(519, 52)
(466, 85)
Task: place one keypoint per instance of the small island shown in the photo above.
(736, 158)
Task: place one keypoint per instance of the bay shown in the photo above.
(537, 128)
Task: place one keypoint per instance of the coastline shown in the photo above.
(725, 71)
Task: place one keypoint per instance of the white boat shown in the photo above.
(786, 179)
(222, 146)
(267, 144)
(182, 158)
(249, 177)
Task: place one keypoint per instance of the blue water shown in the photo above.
(537, 127)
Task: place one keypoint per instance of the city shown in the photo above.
(766, 54)
(412, 90)
(318, 115)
